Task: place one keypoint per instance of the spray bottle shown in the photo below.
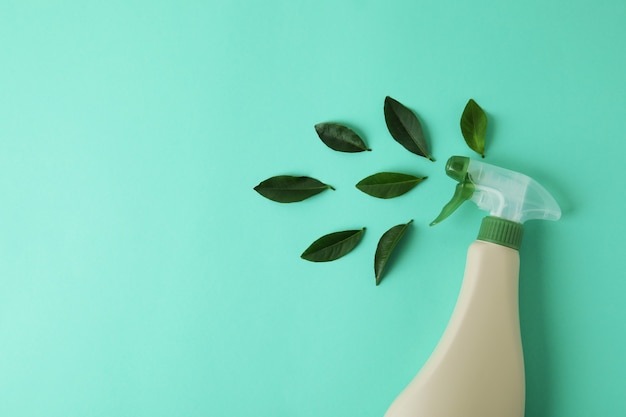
(477, 368)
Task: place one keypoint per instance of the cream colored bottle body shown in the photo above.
(477, 369)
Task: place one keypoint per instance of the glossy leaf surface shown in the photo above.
(386, 246)
(388, 184)
(290, 189)
(474, 127)
(333, 246)
(340, 138)
(405, 127)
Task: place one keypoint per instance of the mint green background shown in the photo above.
(140, 274)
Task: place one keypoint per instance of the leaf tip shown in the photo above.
(390, 101)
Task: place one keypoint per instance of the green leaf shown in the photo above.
(333, 246)
(289, 189)
(388, 184)
(386, 246)
(340, 137)
(405, 127)
(474, 126)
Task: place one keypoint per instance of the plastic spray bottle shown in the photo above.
(477, 368)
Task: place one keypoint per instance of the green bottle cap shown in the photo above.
(501, 231)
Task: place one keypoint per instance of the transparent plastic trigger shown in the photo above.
(503, 193)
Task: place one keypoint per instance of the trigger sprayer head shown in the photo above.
(505, 194)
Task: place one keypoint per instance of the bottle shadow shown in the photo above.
(535, 332)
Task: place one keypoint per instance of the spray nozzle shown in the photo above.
(505, 194)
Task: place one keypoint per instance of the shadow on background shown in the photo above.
(535, 332)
